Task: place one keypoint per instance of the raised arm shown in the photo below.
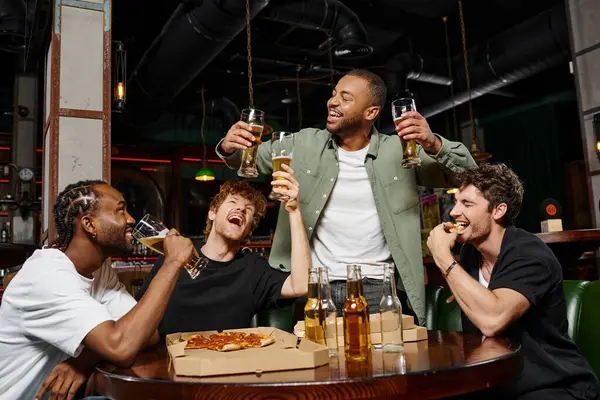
(238, 138)
(120, 341)
(491, 311)
(296, 284)
(439, 157)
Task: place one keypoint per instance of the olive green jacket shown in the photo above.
(315, 164)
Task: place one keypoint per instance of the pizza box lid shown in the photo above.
(285, 354)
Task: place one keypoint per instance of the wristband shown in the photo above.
(449, 269)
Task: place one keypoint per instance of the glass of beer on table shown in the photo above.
(256, 122)
(409, 147)
(151, 232)
(282, 148)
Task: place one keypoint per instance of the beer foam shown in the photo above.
(162, 233)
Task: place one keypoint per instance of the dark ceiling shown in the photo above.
(279, 48)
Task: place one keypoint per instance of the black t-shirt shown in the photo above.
(549, 358)
(225, 295)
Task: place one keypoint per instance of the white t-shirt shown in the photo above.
(482, 280)
(349, 231)
(47, 310)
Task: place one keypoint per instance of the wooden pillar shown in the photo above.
(583, 17)
(77, 106)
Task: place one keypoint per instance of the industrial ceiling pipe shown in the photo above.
(191, 38)
(520, 52)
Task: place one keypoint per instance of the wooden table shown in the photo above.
(568, 246)
(447, 364)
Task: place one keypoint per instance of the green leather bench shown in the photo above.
(583, 314)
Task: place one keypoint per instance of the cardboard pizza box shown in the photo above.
(285, 354)
(411, 332)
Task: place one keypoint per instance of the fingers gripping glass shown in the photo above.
(282, 149)
(409, 147)
(256, 121)
(151, 232)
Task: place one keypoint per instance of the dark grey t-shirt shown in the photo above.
(225, 295)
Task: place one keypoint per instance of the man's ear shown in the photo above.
(499, 211)
(88, 225)
(371, 113)
(212, 214)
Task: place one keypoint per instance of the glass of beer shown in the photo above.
(282, 148)
(400, 107)
(151, 232)
(256, 121)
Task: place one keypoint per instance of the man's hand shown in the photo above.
(178, 249)
(292, 188)
(414, 126)
(64, 381)
(238, 138)
(440, 243)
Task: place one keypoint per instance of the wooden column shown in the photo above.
(583, 17)
(77, 107)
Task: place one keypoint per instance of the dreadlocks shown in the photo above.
(75, 200)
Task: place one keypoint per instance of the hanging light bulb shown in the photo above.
(204, 174)
(119, 76)
(120, 95)
(478, 156)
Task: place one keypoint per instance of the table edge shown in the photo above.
(515, 353)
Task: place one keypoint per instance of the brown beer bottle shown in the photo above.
(357, 331)
(314, 317)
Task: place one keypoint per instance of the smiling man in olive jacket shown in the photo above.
(359, 205)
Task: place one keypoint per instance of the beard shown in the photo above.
(479, 232)
(346, 125)
(115, 243)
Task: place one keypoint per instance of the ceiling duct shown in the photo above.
(330, 16)
(405, 66)
(191, 38)
(522, 51)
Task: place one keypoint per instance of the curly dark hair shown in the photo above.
(498, 184)
(244, 190)
(77, 199)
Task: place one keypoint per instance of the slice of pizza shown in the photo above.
(228, 341)
(258, 340)
(458, 227)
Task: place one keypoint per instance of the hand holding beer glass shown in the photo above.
(256, 122)
(409, 147)
(151, 232)
(282, 148)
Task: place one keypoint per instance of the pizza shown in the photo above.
(228, 341)
(458, 227)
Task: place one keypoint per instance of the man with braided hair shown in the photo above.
(67, 302)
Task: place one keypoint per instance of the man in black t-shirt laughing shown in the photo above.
(233, 287)
(509, 283)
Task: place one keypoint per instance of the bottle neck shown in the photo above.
(389, 282)
(313, 291)
(313, 284)
(325, 287)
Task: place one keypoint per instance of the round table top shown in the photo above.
(447, 364)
